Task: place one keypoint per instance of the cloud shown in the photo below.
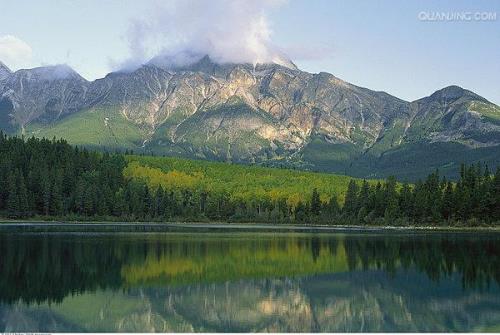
(14, 51)
(179, 31)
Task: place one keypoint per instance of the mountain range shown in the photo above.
(268, 114)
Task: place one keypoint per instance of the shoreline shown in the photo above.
(110, 226)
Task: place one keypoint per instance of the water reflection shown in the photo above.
(249, 282)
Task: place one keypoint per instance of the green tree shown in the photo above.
(447, 203)
(56, 196)
(315, 203)
(406, 201)
(351, 199)
(391, 211)
(23, 204)
(301, 212)
(12, 196)
(333, 208)
(364, 196)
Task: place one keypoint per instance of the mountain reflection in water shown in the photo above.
(250, 282)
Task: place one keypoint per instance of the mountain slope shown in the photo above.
(450, 127)
(265, 113)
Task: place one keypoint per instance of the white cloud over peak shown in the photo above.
(14, 52)
(227, 30)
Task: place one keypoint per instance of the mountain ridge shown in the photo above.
(251, 113)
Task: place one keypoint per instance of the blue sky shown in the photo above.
(382, 45)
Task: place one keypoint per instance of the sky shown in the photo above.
(401, 47)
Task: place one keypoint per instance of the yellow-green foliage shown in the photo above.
(169, 180)
(240, 182)
(219, 261)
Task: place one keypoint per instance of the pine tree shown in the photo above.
(300, 212)
(78, 197)
(22, 196)
(12, 196)
(378, 201)
(157, 209)
(120, 206)
(364, 196)
(351, 199)
(447, 203)
(391, 211)
(88, 201)
(43, 197)
(464, 208)
(333, 207)
(56, 197)
(433, 196)
(147, 201)
(101, 206)
(5, 168)
(406, 201)
(495, 194)
(315, 203)
(420, 210)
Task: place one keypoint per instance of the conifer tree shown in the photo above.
(364, 196)
(447, 203)
(406, 201)
(351, 198)
(12, 197)
(56, 197)
(300, 212)
(23, 207)
(315, 203)
(333, 207)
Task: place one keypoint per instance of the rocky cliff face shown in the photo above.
(4, 72)
(456, 114)
(240, 112)
(44, 94)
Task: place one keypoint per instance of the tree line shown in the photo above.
(473, 199)
(50, 179)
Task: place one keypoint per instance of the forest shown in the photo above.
(52, 180)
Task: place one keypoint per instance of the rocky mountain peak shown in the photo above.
(206, 65)
(455, 92)
(50, 73)
(192, 62)
(285, 62)
(4, 71)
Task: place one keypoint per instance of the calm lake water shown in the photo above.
(251, 282)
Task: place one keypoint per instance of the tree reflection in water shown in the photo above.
(252, 282)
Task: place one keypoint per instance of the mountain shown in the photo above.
(4, 72)
(270, 114)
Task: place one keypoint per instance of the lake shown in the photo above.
(249, 281)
